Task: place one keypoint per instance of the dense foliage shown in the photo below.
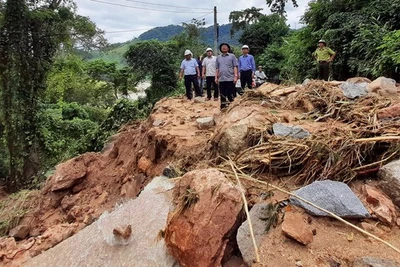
(364, 34)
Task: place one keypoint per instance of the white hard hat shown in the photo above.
(209, 49)
(245, 47)
(188, 52)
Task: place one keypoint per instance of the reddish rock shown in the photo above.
(389, 112)
(19, 232)
(372, 229)
(295, 226)
(202, 229)
(380, 205)
(382, 84)
(68, 173)
(144, 164)
(67, 202)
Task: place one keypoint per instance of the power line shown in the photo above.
(164, 5)
(135, 30)
(150, 9)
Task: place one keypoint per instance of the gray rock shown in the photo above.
(306, 81)
(205, 123)
(354, 90)
(333, 196)
(96, 245)
(157, 123)
(374, 262)
(244, 240)
(389, 175)
(199, 99)
(170, 172)
(289, 130)
(19, 232)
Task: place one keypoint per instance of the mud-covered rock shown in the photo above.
(67, 174)
(389, 112)
(19, 232)
(202, 229)
(381, 206)
(374, 262)
(205, 123)
(281, 129)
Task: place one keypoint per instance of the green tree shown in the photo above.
(268, 30)
(157, 60)
(30, 34)
(278, 6)
(241, 19)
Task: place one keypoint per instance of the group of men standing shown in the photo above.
(221, 73)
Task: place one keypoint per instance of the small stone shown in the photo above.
(19, 232)
(305, 82)
(88, 219)
(380, 205)
(158, 123)
(67, 202)
(372, 229)
(182, 121)
(294, 225)
(170, 172)
(389, 176)
(374, 262)
(144, 164)
(264, 103)
(205, 123)
(199, 99)
(299, 264)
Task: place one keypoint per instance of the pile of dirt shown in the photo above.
(81, 189)
(285, 136)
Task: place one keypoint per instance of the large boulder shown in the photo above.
(383, 86)
(69, 173)
(285, 130)
(389, 176)
(354, 90)
(333, 196)
(202, 229)
(232, 129)
(131, 235)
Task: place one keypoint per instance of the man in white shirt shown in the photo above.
(190, 69)
(209, 73)
(260, 76)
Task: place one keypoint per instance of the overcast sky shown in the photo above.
(125, 19)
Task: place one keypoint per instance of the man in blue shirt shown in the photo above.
(190, 69)
(247, 67)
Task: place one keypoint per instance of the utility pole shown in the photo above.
(215, 31)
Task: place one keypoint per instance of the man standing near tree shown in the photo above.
(190, 69)
(324, 56)
(247, 67)
(226, 74)
(209, 74)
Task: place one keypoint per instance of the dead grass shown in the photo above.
(14, 208)
(336, 152)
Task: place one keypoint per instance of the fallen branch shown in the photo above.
(379, 138)
(246, 208)
(313, 205)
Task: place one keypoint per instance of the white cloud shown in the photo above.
(123, 23)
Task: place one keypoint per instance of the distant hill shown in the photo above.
(114, 53)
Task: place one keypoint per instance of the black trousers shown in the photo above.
(228, 92)
(246, 78)
(189, 80)
(210, 80)
(323, 70)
